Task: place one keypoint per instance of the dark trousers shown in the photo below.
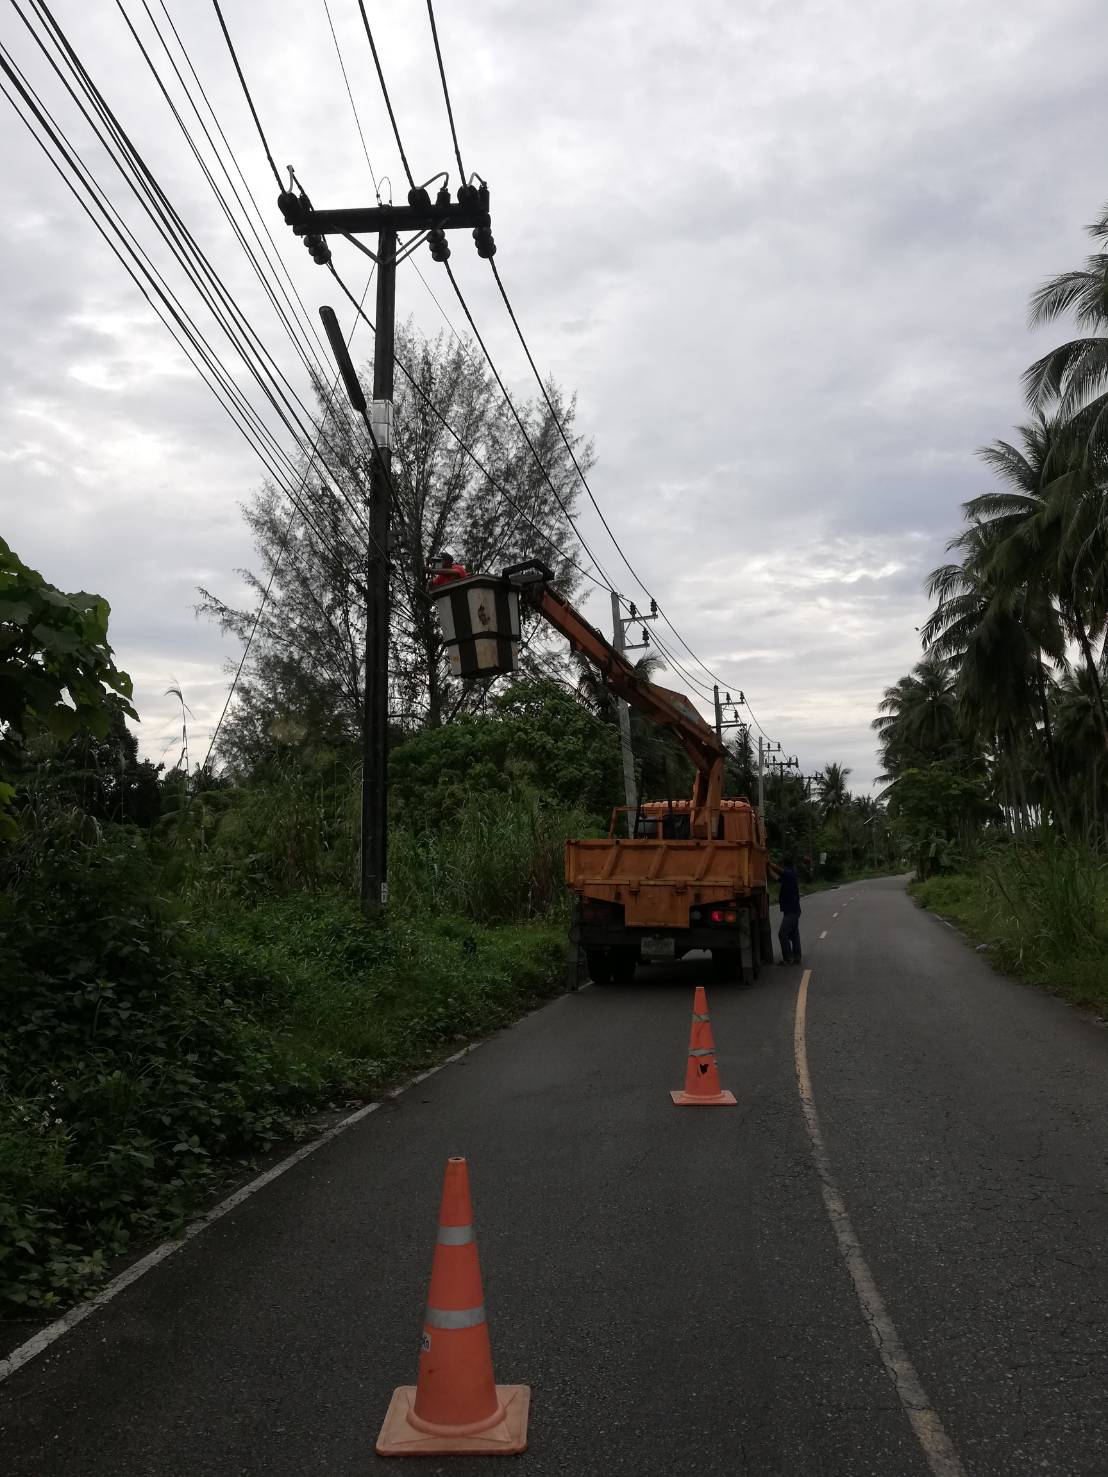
(789, 935)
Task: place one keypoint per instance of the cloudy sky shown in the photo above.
(782, 250)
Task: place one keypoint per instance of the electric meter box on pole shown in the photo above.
(479, 617)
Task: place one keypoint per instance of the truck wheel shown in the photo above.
(727, 966)
(599, 962)
(623, 965)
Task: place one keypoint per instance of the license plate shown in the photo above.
(654, 946)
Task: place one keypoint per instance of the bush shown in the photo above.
(127, 1071)
(147, 1052)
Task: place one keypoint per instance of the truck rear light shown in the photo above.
(723, 915)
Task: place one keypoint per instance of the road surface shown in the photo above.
(669, 1281)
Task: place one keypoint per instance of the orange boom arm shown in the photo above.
(669, 710)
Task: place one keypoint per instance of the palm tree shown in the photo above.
(595, 693)
(1040, 543)
(834, 797)
(919, 719)
(1074, 376)
(997, 632)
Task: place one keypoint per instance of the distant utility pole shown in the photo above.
(727, 701)
(765, 748)
(620, 623)
(430, 221)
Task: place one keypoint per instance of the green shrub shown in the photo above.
(149, 1049)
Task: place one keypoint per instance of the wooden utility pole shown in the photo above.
(430, 220)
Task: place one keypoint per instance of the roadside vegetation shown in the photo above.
(996, 744)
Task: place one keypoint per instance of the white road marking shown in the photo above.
(835, 915)
(823, 935)
(46, 1336)
(924, 1418)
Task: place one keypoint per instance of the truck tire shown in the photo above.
(727, 966)
(765, 940)
(599, 962)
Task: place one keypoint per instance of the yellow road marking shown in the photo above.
(924, 1418)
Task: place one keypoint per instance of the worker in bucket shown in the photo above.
(447, 570)
(788, 899)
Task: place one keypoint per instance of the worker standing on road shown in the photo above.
(448, 569)
(789, 900)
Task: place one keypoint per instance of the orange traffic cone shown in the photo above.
(702, 1076)
(456, 1407)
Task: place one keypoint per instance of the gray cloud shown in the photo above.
(782, 253)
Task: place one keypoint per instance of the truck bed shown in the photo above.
(657, 882)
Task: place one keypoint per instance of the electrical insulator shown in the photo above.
(436, 240)
(486, 246)
(291, 206)
(645, 634)
(726, 697)
(654, 607)
(418, 198)
(442, 199)
(634, 612)
(318, 249)
(467, 194)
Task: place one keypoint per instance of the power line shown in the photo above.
(248, 250)
(175, 234)
(210, 368)
(280, 552)
(538, 377)
(249, 99)
(523, 430)
(464, 446)
(384, 92)
(465, 307)
(585, 482)
(307, 317)
(446, 93)
(164, 213)
(350, 95)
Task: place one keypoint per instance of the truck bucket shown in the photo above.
(479, 617)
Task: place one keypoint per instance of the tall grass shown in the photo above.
(500, 860)
(1042, 909)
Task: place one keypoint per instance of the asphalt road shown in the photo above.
(667, 1280)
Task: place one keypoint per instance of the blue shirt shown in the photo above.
(789, 896)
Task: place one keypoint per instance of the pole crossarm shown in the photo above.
(363, 220)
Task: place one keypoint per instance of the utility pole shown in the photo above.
(375, 730)
(619, 641)
(765, 748)
(430, 222)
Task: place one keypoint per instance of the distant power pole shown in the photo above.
(765, 747)
(619, 641)
(430, 221)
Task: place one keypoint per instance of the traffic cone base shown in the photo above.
(506, 1436)
(694, 1100)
